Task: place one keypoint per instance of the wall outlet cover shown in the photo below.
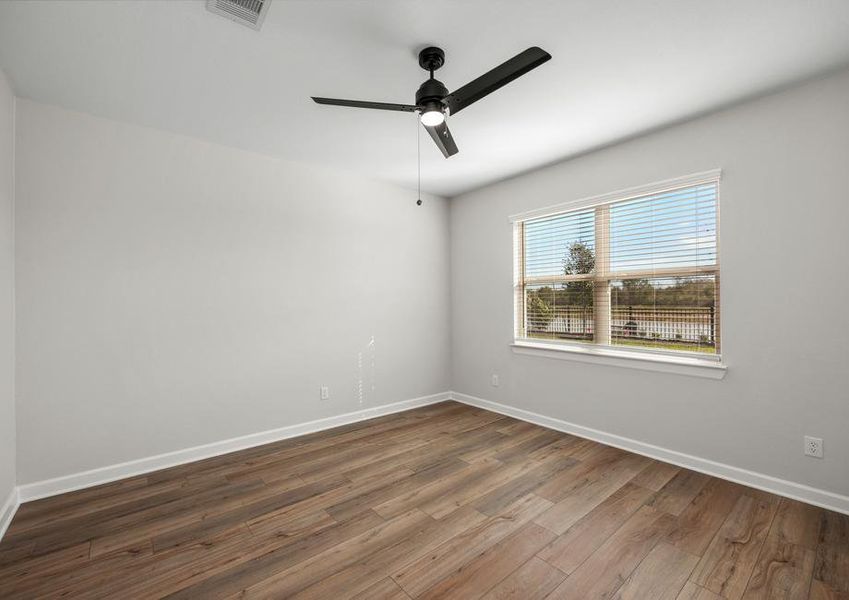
(813, 446)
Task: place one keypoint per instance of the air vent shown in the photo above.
(246, 12)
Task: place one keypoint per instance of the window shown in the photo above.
(635, 270)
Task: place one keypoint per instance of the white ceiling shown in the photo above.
(619, 68)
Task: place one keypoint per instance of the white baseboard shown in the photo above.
(782, 487)
(7, 512)
(76, 481)
(85, 479)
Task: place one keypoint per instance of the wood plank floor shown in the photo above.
(445, 501)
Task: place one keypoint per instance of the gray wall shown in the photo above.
(7, 294)
(173, 293)
(784, 244)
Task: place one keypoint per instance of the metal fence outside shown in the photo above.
(696, 325)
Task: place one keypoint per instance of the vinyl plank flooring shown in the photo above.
(656, 475)
(533, 444)
(444, 501)
(603, 573)
(660, 576)
(834, 529)
(85, 579)
(504, 474)
(697, 524)
(831, 569)
(433, 492)
(499, 498)
(728, 562)
(591, 467)
(276, 558)
(823, 591)
(475, 578)
(691, 591)
(591, 492)
(534, 580)
(297, 578)
(32, 519)
(16, 575)
(385, 589)
(797, 523)
(578, 542)
(183, 506)
(64, 504)
(783, 570)
(347, 582)
(203, 510)
(498, 441)
(205, 527)
(12, 553)
(831, 566)
(426, 572)
(677, 494)
(345, 509)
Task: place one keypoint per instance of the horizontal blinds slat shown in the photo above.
(636, 207)
(683, 235)
(661, 220)
(670, 204)
(689, 271)
(664, 230)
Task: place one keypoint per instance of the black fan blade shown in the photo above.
(496, 78)
(361, 104)
(442, 136)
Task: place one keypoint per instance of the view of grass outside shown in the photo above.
(679, 346)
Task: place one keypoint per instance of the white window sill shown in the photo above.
(646, 361)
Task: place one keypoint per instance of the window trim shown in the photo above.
(714, 175)
(682, 362)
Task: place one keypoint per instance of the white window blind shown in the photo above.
(633, 270)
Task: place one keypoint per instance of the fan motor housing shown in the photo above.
(431, 90)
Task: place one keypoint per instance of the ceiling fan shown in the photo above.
(434, 103)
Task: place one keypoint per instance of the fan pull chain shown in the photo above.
(419, 163)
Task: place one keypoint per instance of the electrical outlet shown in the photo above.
(325, 392)
(494, 380)
(813, 446)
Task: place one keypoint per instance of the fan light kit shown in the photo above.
(431, 117)
(433, 102)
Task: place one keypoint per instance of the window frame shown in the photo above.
(685, 362)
